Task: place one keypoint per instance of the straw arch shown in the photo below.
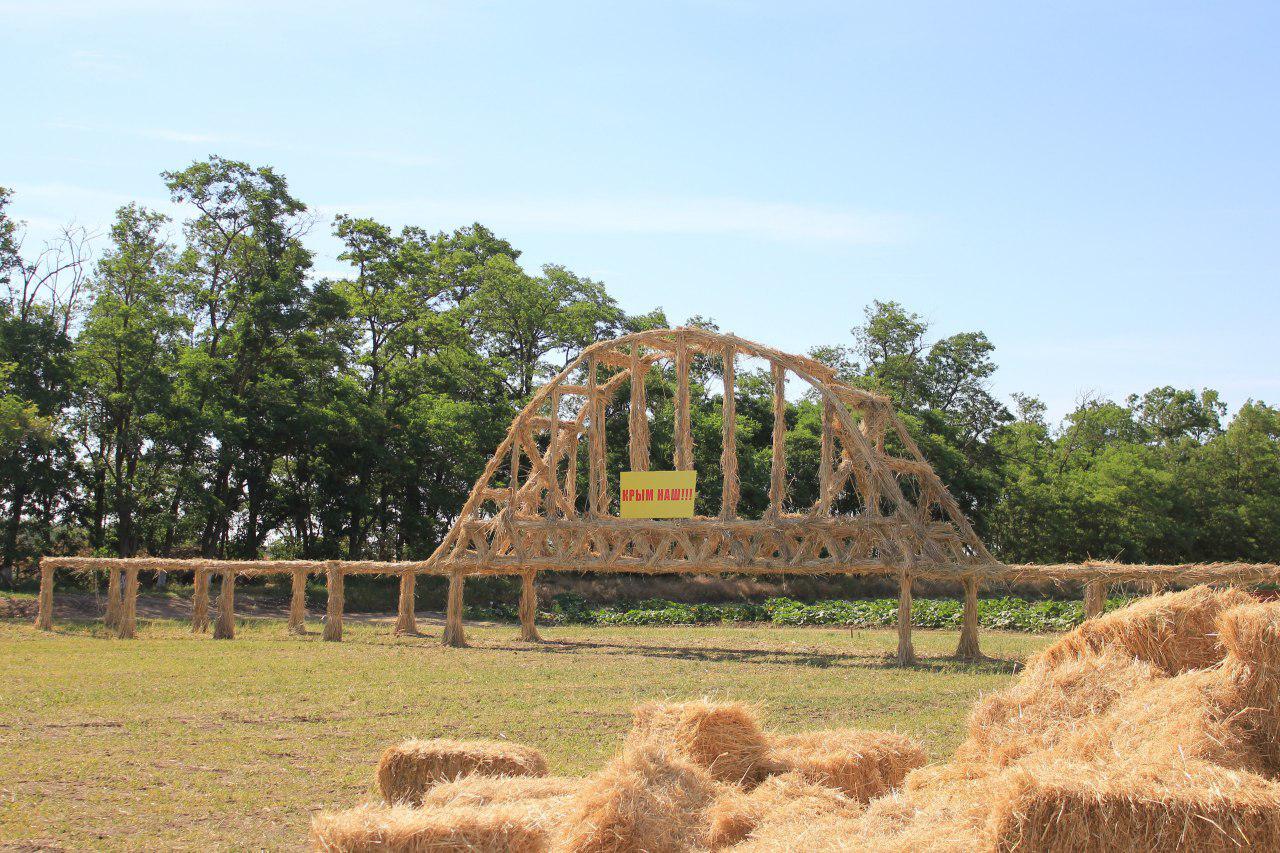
(523, 514)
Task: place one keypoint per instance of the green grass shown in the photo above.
(176, 741)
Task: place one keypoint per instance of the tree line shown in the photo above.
(195, 388)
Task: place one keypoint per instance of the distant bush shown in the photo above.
(1007, 613)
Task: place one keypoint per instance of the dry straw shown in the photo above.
(648, 798)
(408, 770)
(724, 738)
(860, 764)
(513, 827)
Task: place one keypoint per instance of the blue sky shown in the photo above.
(1094, 185)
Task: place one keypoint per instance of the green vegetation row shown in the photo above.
(1006, 613)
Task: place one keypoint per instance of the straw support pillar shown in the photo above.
(406, 623)
(112, 617)
(730, 489)
(129, 605)
(225, 626)
(528, 608)
(44, 618)
(683, 431)
(200, 602)
(778, 471)
(1095, 598)
(968, 648)
(333, 611)
(453, 631)
(298, 603)
(638, 416)
(906, 651)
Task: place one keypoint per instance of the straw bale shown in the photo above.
(1066, 808)
(513, 827)
(649, 798)
(723, 737)
(861, 764)
(409, 769)
(1047, 705)
(477, 790)
(777, 801)
(1175, 632)
(1251, 636)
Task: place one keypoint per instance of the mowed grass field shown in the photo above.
(175, 741)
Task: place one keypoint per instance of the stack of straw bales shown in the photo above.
(1154, 728)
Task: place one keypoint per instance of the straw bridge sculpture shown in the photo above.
(880, 507)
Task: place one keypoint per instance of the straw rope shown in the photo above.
(731, 488)
(335, 597)
(406, 621)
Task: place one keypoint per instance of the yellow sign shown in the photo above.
(657, 494)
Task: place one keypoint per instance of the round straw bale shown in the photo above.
(518, 827)
(861, 764)
(408, 769)
(723, 737)
(649, 798)
(1175, 632)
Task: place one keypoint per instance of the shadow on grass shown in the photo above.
(805, 658)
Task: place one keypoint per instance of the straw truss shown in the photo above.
(880, 509)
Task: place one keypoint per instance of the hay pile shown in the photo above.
(1153, 728)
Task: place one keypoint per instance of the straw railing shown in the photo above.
(122, 588)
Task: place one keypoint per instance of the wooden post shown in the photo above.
(333, 611)
(129, 606)
(906, 651)
(200, 602)
(778, 471)
(968, 648)
(406, 623)
(298, 603)
(1095, 599)
(112, 617)
(638, 415)
(225, 626)
(528, 607)
(44, 618)
(454, 635)
(730, 490)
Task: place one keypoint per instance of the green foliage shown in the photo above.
(1005, 614)
(205, 392)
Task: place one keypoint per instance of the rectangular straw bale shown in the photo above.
(778, 800)
(407, 770)
(514, 827)
(1071, 809)
(1175, 632)
(478, 790)
(861, 764)
(1047, 704)
(647, 799)
(723, 737)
